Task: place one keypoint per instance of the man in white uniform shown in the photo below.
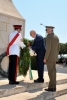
(13, 51)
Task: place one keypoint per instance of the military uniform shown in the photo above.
(51, 56)
(14, 53)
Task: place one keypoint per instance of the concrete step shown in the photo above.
(39, 94)
(6, 90)
(26, 84)
(62, 97)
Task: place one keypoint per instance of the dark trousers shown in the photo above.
(51, 66)
(40, 67)
(13, 66)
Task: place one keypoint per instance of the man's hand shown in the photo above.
(44, 60)
(29, 47)
(28, 44)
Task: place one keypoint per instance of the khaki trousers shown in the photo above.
(51, 67)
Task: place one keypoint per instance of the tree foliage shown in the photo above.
(63, 48)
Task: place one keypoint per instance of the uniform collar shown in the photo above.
(16, 31)
(50, 33)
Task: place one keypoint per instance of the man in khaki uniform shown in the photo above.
(51, 56)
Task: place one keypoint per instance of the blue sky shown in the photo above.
(48, 12)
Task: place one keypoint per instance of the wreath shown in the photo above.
(25, 59)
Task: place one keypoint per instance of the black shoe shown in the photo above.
(51, 89)
(39, 81)
(10, 82)
(15, 82)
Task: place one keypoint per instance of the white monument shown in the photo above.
(9, 16)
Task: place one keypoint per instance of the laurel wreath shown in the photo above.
(25, 59)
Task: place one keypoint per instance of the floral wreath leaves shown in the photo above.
(24, 59)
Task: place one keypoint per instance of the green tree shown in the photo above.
(63, 48)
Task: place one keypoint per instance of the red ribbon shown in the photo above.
(15, 37)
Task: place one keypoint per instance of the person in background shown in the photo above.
(39, 47)
(13, 51)
(51, 56)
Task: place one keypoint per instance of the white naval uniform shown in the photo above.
(14, 53)
(15, 47)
